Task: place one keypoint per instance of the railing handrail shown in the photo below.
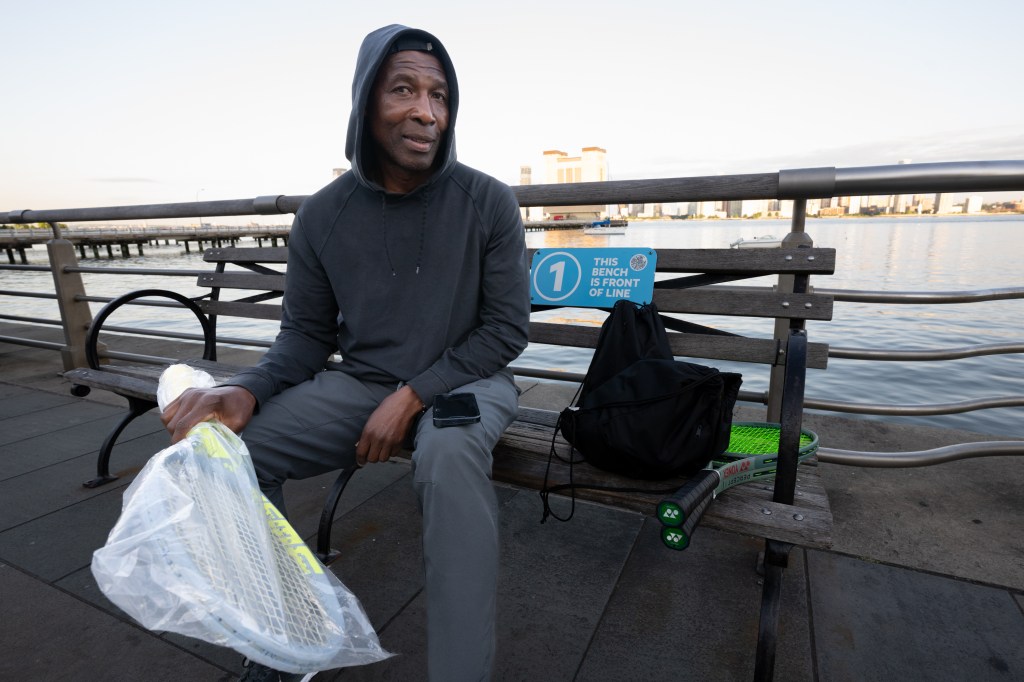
(911, 297)
(919, 458)
(797, 184)
(800, 183)
(921, 355)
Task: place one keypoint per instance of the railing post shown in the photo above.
(74, 311)
(796, 238)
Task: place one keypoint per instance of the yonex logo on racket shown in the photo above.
(670, 513)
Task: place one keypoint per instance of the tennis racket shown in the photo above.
(220, 563)
(752, 453)
(199, 551)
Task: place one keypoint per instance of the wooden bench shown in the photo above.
(793, 511)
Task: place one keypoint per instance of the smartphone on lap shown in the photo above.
(455, 409)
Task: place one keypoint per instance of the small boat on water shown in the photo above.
(764, 242)
(606, 226)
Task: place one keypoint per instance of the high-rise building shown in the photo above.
(901, 203)
(944, 203)
(560, 168)
(590, 166)
(525, 179)
(703, 209)
(750, 208)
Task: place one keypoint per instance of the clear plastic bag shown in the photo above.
(198, 550)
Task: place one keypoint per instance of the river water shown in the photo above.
(927, 253)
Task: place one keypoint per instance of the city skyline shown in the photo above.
(124, 105)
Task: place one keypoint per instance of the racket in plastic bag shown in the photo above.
(198, 550)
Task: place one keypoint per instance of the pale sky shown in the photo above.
(114, 102)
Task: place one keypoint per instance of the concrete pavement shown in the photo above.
(925, 580)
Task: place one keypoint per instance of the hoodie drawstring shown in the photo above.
(425, 203)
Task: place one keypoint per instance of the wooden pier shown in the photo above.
(544, 225)
(121, 239)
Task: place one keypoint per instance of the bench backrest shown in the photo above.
(257, 273)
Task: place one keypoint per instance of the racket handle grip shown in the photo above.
(679, 538)
(677, 508)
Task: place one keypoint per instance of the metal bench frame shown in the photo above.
(793, 512)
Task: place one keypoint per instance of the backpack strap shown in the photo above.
(572, 487)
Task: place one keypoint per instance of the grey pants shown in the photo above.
(313, 427)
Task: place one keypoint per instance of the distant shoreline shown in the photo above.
(844, 216)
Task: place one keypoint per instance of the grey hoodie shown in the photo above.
(428, 288)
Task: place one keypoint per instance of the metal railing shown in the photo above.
(799, 185)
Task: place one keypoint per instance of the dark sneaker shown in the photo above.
(255, 672)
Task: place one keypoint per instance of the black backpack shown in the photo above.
(641, 413)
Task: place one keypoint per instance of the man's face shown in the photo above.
(408, 116)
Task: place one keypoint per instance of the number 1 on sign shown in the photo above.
(558, 268)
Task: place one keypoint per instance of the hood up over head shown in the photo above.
(375, 49)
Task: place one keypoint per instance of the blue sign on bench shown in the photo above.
(592, 278)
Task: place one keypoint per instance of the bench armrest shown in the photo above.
(92, 337)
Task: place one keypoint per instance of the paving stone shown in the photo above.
(83, 585)
(693, 615)
(381, 558)
(546, 394)
(305, 499)
(16, 400)
(50, 635)
(219, 656)
(52, 546)
(877, 622)
(53, 419)
(555, 579)
(406, 638)
(8, 391)
(56, 446)
(49, 489)
(919, 517)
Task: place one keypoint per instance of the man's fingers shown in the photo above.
(370, 450)
(232, 405)
(180, 428)
(167, 416)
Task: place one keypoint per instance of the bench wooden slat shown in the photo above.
(814, 261)
(749, 303)
(249, 254)
(114, 381)
(256, 311)
(741, 349)
(733, 348)
(242, 280)
(141, 381)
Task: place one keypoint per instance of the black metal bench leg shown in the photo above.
(323, 534)
(136, 407)
(776, 558)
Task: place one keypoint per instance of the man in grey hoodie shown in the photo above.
(412, 267)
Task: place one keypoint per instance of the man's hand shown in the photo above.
(387, 427)
(231, 405)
